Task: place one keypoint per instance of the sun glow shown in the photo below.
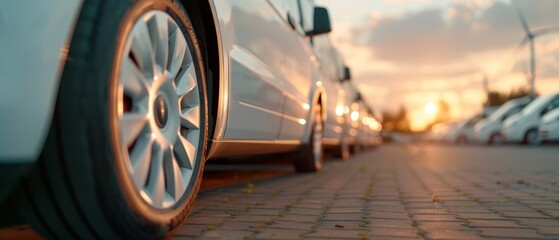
(430, 108)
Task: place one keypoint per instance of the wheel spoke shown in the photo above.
(177, 50)
(132, 125)
(142, 49)
(190, 118)
(186, 81)
(173, 177)
(140, 158)
(185, 152)
(156, 179)
(134, 82)
(160, 109)
(158, 26)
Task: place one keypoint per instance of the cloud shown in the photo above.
(405, 1)
(441, 36)
(423, 54)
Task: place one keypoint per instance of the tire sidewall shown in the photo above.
(116, 191)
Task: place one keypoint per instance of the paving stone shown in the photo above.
(388, 223)
(280, 224)
(453, 234)
(193, 230)
(279, 234)
(344, 216)
(494, 224)
(532, 214)
(305, 211)
(435, 218)
(434, 226)
(353, 225)
(298, 218)
(483, 216)
(510, 233)
(392, 232)
(427, 211)
(548, 230)
(389, 215)
(215, 234)
(338, 233)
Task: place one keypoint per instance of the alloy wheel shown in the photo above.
(159, 110)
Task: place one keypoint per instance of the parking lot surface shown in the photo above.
(395, 192)
(419, 191)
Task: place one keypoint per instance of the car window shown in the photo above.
(539, 103)
(307, 14)
(295, 13)
(553, 105)
(280, 7)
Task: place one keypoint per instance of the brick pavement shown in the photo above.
(392, 193)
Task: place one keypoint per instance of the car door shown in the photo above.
(256, 35)
(333, 127)
(300, 72)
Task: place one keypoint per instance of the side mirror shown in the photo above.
(347, 74)
(321, 22)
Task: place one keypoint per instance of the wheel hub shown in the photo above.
(161, 111)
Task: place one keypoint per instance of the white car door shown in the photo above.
(300, 72)
(256, 37)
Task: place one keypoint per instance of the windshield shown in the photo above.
(537, 104)
(504, 110)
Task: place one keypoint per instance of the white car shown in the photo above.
(523, 127)
(488, 130)
(549, 128)
(110, 109)
(461, 132)
(336, 124)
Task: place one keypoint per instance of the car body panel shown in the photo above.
(268, 81)
(515, 128)
(549, 127)
(252, 43)
(34, 43)
(335, 102)
(491, 126)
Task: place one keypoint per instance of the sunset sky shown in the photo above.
(412, 52)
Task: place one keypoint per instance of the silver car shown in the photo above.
(110, 109)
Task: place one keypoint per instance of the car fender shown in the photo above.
(35, 40)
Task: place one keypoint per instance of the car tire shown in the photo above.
(533, 137)
(311, 155)
(496, 139)
(343, 151)
(462, 140)
(85, 184)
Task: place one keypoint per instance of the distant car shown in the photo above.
(488, 130)
(523, 127)
(110, 109)
(438, 132)
(336, 124)
(461, 132)
(549, 128)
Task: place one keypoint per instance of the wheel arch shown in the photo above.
(318, 99)
(203, 18)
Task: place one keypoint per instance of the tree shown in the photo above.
(397, 122)
(495, 98)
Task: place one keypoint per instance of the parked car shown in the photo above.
(523, 127)
(113, 107)
(488, 130)
(336, 124)
(461, 132)
(549, 128)
(437, 131)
